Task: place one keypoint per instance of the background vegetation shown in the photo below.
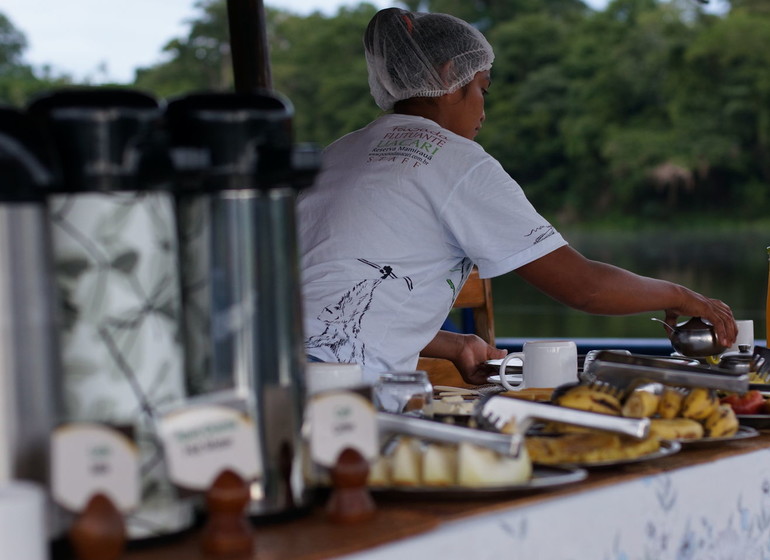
(644, 111)
(642, 130)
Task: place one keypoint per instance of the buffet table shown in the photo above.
(705, 502)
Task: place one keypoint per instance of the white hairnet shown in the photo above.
(410, 54)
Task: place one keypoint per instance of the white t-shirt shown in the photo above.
(388, 234)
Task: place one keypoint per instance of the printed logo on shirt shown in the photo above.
(464, 270)
(408, 146)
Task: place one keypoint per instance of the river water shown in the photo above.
(728, 265)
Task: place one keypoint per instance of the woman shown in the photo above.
(405, 206)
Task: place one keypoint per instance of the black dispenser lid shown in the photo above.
(233, 140)
(105, 139)
(25, 172)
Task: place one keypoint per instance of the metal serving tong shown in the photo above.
(624, 371)
(396, 424)
(760, 363)
(498, 411)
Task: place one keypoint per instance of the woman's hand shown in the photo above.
(467, 352)
(470, 360)
(714, 311)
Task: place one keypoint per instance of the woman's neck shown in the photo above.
(426, 107)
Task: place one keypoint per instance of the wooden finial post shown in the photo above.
(350, 500)
(99, 532)
(227, 531)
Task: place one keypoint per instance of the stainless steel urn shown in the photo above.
(29, 351)
(113, 231)
(238, 175)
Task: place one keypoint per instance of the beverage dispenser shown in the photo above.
(113, 233)
(29, 351)
(238, 176)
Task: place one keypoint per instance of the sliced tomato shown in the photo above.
(751, 402)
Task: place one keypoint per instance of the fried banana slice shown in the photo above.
(670, 402)
(585, 397)
(642, 402)
(722, 422)
(699, 403)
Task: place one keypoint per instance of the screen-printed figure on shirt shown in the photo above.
(343, 319)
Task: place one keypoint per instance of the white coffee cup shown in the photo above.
(745, 337)
(545, 363)
(328, 376)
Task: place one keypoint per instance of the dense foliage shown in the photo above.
(648, 108)
(19, 81)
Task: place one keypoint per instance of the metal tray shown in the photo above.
(666, 448)
(744, 432)
(759, 421)
(763, 388)
(624, 371)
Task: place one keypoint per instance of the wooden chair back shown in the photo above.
(476, 294)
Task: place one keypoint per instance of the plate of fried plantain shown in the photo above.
(666, 448)
(595, 450)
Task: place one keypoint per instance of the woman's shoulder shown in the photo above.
(413, 142)
(404, 128)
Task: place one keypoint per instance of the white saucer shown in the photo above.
(512, 378)
(512, 363)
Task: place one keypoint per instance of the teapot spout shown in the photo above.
(669, 327)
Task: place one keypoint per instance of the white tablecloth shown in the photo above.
(712, 511)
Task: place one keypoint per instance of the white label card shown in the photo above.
(202, 441)
(89, 459)
(338, 420)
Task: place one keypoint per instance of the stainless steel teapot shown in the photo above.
(694, 338)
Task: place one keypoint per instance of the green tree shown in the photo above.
(199, 62)
(750, 6)
(647, 108)
(487, 13)
(723, 109)
(12, 44)
(18, 80)
(318, 62)
(526, 105)
(616, 129)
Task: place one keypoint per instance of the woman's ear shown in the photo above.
(451, 98)
(445, 72)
